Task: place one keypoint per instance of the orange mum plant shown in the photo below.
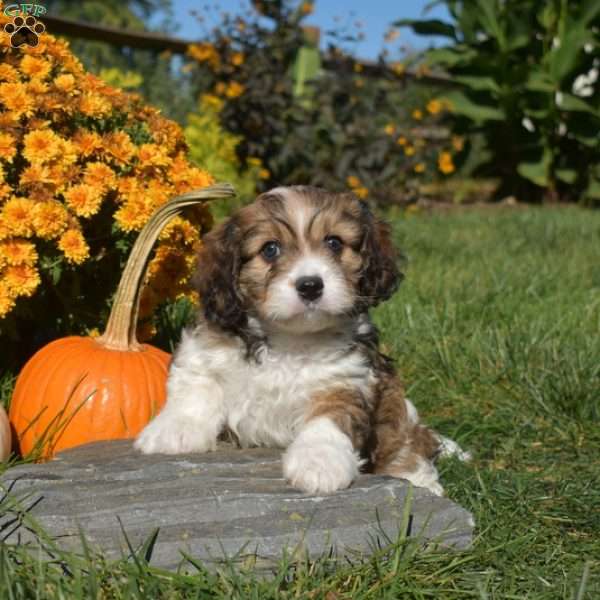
(82, 167)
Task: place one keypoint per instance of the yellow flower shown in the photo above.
(8, 73)
(133, 214)
(212, 101)
(306, 8)
(74, 246)
(84, 199)
(419, 167)
(353, 181)
(37, 87)
(417, 114)
(49, 219)
(99, 175)
(18, 252)
(152, 155)
(458, 143)
(87, 142)
(445, 164)
(17, 216)
(179, 231)
(119, 145)
(8, 146)
(362, 192)
(204, 52)
(234, 89)
(7, 300)
(65, 82)
(16, 99)
(254, 161)
(35, 67)
(389, 129)
(409, 150)
(21, 280)
(401, 141)
(94, 105)
(35, 174)
(434, 106)
(237, 59)
(41, 145)
(264, 173)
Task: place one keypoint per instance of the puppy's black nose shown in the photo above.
(309, 288)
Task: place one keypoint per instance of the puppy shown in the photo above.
(284, 353)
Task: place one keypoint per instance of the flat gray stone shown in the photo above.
(229, 503)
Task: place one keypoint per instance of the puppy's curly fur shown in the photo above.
(284, 353)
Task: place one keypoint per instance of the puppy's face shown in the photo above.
(299, 259)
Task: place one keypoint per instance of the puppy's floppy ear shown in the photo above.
(380, 275)
(216, 277)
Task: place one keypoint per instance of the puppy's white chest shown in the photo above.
(267, 402)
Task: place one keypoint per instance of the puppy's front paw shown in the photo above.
(175, 434)
(320, 467)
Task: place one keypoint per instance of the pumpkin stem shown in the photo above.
(122, 321)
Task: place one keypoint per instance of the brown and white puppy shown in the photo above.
(284, 353)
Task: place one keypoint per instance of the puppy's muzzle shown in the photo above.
(309, 288)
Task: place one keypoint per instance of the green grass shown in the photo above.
(496, 333)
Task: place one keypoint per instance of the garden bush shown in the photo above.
(336, 127)
(529, 104)
(82, 167)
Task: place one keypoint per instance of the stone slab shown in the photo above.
(230, 503)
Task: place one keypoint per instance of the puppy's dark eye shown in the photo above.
(334, 243)
(270, 251)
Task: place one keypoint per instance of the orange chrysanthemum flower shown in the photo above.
(35, 67)
(84, 199)
(8, 146)
(8, 73)
(86, 142)
(42, 145)
(16, 99)
(17, 216)
(65, 82)
(99, 175)
(35, 174)
(74, 247)
(21, 280)
(119, 146)
(18, 252)
(94, 105)
(132, 215)
(152, 155)
(49, 219)
(7, 299)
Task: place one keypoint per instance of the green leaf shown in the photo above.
(478, 83)
(539, 81)
(537, 172)
(428, 27)
(489, 20)
(566, 175)
(450, 57)
(574, 104)
(463, 105)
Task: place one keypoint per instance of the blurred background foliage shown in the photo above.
(517, 119)
(528, 104)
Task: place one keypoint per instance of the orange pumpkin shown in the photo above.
(77, 390)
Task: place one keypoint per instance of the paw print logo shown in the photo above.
(24, 31)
